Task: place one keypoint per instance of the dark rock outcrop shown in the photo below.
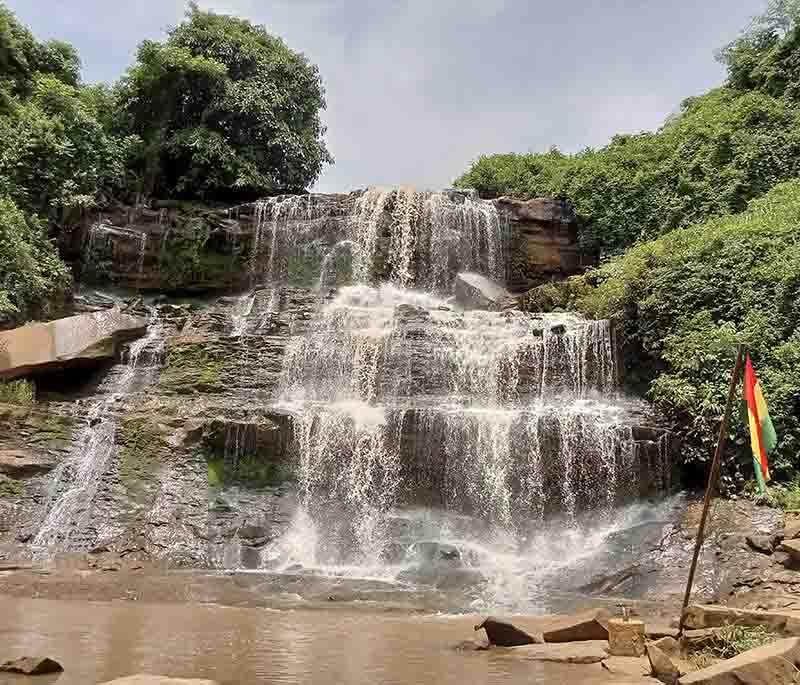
(29, 665)
(474, 291)
(504, 634)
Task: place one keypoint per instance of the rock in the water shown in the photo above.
(24, 463)
(590, 625)
(505, 634)
(31, 665)
(662, 666)
(74, 341)
(774, 664)
(587, 652)
(147, 679)
(713, 616)
(474, 291)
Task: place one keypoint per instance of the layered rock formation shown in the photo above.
(176, 248)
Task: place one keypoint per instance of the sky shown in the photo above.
(417, 89)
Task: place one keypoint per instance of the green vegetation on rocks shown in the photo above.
(193, 366)
(684, 301)
(11, 488)
(17, 392)
(720, 150)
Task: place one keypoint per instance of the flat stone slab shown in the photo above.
(67, 342)
(147, 679)
(773, 664)
(588, 652)
(714, 616)
(24, 463)
(791, 547)
(474, 291)
(589, 625)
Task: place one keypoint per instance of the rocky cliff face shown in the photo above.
(185, 249)
(344, 409)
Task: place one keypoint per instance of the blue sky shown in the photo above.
(418, 88)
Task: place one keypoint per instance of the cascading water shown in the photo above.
(68, 513)
(494, 423)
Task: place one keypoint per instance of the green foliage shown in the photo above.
(732, 640)
(55, 156)
(226, 110)
(32, 277)
(723, 149)
(685, 300)
(255, 471)
(192, 366)
(18, 392)
(10, 487)
(784, 496)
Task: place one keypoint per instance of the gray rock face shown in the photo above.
(75, 341)
(474, 291)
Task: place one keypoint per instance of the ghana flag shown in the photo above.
(762, 433)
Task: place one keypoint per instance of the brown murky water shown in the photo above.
(100, 641)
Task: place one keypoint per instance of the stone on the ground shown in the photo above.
(694, 640)
(791, 526)
(662, 666)
(589, 625)
(19, 463)
(474, 291)
(587, 652)
(714, 616)
(761, 543)
(31, 665)
(147, 679)
(655, 631)
(774, 664)
(74, 341)
(505, 634)
(792, 548)
(625, 637)
(667, 644)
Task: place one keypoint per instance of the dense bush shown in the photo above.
(33, 278)
(226, 110)
(683, 302)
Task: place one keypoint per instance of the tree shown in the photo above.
(226, 112)
(33, 279)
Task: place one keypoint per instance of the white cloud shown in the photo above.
(418, 88)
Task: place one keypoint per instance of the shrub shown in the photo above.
(685, 300)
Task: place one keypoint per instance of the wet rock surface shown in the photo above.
(30, 665)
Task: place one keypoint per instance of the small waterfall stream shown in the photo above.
(76, 480)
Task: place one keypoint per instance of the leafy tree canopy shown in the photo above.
(226, 111)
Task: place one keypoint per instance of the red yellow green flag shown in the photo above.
(762, 433)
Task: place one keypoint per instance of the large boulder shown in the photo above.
(589, 625)
(774, 664)
(74, 341)
(31, 665)
(661, 665)
(792, 548)
(474, 291)
(713, 616)
(505, 634)
(591, 652)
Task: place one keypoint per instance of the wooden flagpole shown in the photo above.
(713, 477)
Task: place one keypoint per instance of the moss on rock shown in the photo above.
(192, 366)
(11, 487)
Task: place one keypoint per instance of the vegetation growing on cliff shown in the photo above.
(220, 111)
(683, 302)
(720, 151)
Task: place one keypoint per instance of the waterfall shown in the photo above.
(68, 511)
